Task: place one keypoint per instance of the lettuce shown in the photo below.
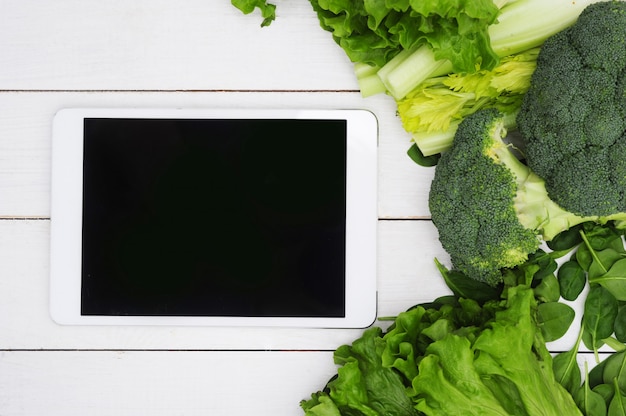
(453, 356)
(268, 10)
(375, 31)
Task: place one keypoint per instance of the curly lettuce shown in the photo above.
(268, 10)
(453, 356)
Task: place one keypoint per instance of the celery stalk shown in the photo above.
(408, 69)
(527, 24)
(368, 79)
(431, 143)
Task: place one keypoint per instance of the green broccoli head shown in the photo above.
(491, 210)
(573, 118)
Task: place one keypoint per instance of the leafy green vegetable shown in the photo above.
(620, 324)
(268, 11)
(521, 25)
(432, 111)
(607, 265)
(617, 407)
(418, 79)
(373, 32)
(590, 402)
(572, 280)
(566, 240)
(418, 157)
(554, 319)
(548, 289)
(463, 287)
(450, 358)
(573, 118)
(599, 315)
(566, 369)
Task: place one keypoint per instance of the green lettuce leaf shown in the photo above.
(268, 11)
(374, 31)
(363, 386)
(452, 356)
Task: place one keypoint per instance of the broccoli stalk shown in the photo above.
(534, 208)
(490, 209)
(522, 25)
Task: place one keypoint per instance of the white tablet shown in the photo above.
(214, 217)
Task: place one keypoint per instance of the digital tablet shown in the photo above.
(214, 217)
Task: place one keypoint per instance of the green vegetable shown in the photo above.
(566, 369)
(573, 118)
(433, 111)
(617, 407)
(607, 263)
(600, 312)
(449, 358)
(555, 319)
(373, 32)
(268, 11)
(490, 210)
(572, 280)
(520, 25)
(590, 402)
(620, 324)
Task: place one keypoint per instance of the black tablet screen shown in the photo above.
(188, 217)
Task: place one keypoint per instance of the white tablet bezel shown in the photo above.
(361, 217)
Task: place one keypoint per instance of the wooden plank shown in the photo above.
(406, 276)
(26, 123)
(163, 382)
(159, 383)
(161, 45)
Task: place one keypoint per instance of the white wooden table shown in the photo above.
(190, 53)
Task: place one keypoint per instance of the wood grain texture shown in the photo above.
(133, 383)
(26, 133)
(155, 383)
(161, 45)
(25, 321)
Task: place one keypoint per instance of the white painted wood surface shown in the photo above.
(191, 53)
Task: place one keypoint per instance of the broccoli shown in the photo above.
(573, 118)
(490, 209)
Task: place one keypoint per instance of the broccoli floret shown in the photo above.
(490, 209)
(573, 118)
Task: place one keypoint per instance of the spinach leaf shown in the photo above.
(548, 289)
(614, 370)
(418, 157)
(607, 391)
(572, 280)
(617, 407)
(603, 261)
(600, 236)
(554, 319)
(596, 375)
(584, 257)
(590, 402)
(619, 326)
(567, 239)
(614, 280)
(600, 311)
(464, 287)
(567, 371)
